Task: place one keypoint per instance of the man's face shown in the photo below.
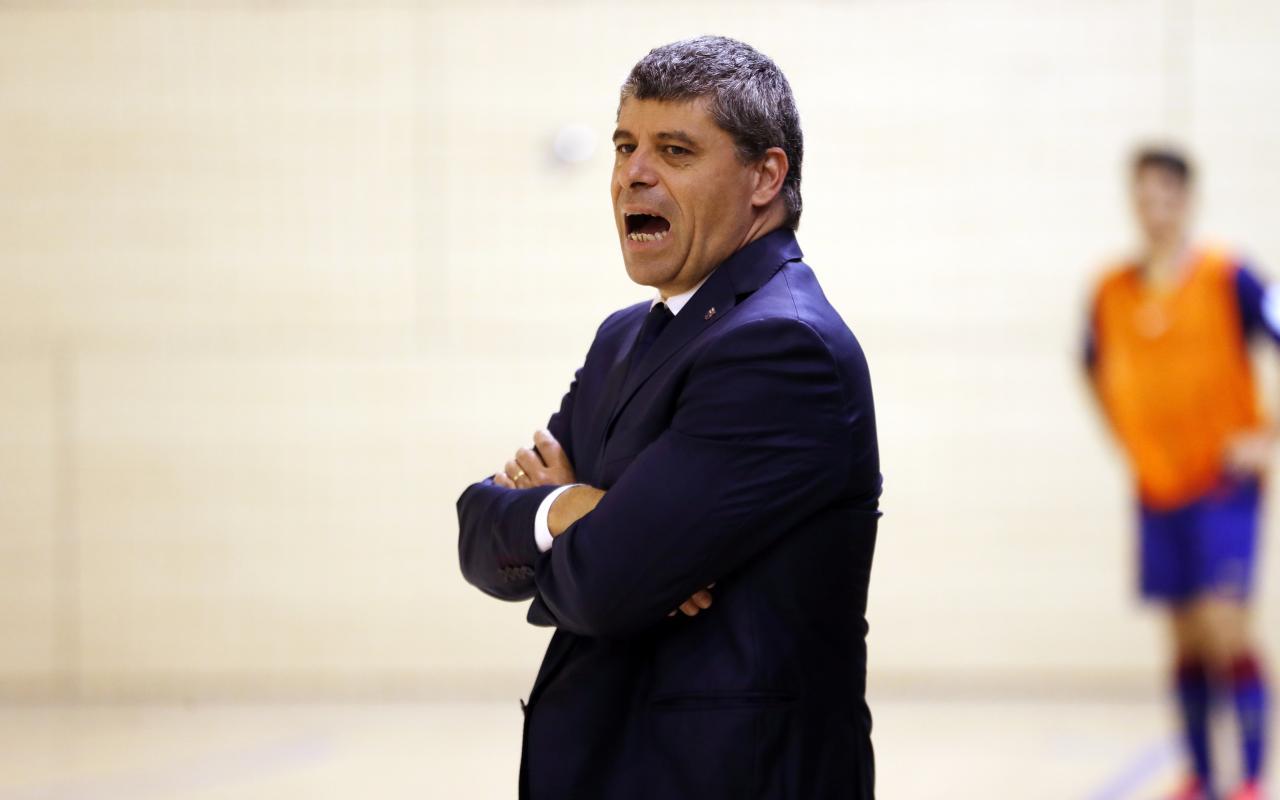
(1161, 201)
(681, 195)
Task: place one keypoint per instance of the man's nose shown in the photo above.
(638, 170)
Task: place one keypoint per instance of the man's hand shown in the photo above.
(572, 505)
(700, 601)
(544, 465)
(548, 465)
(1249, 453)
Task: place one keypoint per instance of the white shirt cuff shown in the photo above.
(542, 533)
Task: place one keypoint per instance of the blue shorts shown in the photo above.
(1206, 547)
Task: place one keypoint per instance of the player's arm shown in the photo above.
(1259, 304)
(1249, 452)
(1089, 355)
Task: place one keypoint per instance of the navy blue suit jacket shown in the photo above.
(740, 450)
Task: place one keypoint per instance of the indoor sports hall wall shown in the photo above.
(278, 280)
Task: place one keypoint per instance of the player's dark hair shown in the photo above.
(750, 98)
(1167, 159)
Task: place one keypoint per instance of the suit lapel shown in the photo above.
(692, 320)
(617, 372)
(738, 277)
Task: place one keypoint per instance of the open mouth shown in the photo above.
(646, 227)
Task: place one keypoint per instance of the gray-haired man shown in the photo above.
(719, 439)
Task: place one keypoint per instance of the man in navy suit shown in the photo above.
(718, 440)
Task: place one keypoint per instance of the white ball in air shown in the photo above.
(574, 144)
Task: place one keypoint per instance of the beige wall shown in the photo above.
(278, 280)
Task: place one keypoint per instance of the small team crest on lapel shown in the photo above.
(711, 312)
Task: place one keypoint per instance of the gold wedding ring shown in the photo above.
(516, 478)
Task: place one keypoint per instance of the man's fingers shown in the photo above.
(559, 468)
(550, 450)
(515, 473)
(700, 601)
(544, 466)
(528, 461)
(502, 480)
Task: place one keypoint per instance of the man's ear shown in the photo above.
(770, 173)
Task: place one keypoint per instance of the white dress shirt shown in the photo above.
(541, 531)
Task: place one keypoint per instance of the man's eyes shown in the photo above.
(671, 149)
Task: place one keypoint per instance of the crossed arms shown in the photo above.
(546, 464)
(759, 442)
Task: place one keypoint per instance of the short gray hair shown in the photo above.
(749, 98)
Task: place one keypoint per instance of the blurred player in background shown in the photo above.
(1167, 354)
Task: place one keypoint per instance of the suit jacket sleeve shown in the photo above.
(496, 546)
(760, 440)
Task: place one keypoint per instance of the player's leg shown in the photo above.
(1193, 686)
(1166, 560)
(1227, 546)
(1223, 623)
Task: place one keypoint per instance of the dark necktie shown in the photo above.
(659, 317)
